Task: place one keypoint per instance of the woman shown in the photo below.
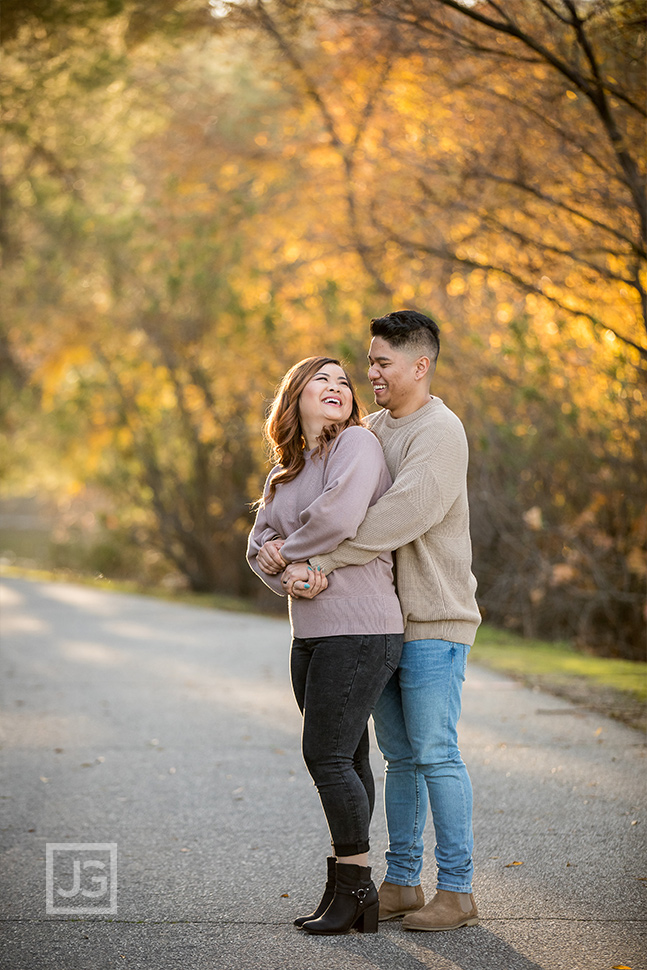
(347, 641)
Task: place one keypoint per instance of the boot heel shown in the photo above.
(368, 921)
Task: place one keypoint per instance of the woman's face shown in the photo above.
(326, 399)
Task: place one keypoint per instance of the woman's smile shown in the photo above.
(326, 399)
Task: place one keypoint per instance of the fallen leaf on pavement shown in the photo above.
(510, 864)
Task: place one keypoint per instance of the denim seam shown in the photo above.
(416, 835)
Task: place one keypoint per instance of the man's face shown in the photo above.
(392, 373)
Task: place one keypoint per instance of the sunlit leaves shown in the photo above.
(187, 219)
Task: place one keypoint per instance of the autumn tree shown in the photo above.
(486, 163)
(152, 316)
(197, 201)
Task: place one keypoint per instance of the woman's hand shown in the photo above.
(304, 582)
(269, 557)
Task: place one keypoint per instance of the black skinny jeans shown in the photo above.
(336, 682)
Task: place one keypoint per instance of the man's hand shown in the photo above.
(269, 557)
(304, 582)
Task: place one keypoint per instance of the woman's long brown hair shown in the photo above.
(283, 426)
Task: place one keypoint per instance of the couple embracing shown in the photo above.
(347, 501)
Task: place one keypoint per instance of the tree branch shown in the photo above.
(592, 88)
(519, 281)
(344, 152)
(558, 203)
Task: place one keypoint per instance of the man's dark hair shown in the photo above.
(409, 329)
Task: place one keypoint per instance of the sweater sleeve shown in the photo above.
(261, 532)
(354, 469)
(426, 486)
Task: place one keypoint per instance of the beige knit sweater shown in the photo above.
(425, 517)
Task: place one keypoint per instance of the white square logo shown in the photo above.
(81, 878)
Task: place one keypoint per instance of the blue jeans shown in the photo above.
(415, 725)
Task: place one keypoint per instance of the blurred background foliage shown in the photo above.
(196, 195)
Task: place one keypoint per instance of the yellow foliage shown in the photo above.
(193, 397)
(216, 226)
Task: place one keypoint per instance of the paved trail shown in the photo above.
(171, 732)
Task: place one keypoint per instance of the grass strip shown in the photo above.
(608, 685)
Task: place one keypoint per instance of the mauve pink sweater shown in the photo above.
(317, 510)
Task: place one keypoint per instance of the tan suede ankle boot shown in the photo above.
(446, 911)
(399, 900)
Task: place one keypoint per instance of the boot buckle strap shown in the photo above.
(361, 894)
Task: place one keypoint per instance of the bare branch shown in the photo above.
(344, 151)
(311, 89)
(542, 246)
(570, 137)
(523, 284)
(555, 13)
(558, 203)
(591, 87)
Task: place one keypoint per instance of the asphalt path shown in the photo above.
(155, 749)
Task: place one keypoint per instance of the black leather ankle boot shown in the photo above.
(326, 899)
(355, 904)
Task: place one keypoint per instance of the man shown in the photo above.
(424, 517)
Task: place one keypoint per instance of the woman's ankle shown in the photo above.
(361, 859)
